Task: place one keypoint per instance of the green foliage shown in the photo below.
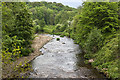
(58, 33)
(52, 5)
(66, 34)
(8, 56)
(82, 33)
(37, 28)
(49, 29)
(42, 24)
(17, 32)
(16, 23)
(61, 35)
(62, 28)
(57, 28)
(48, 13)
(26, 51)
(20, 23)
(95, 28)
(103, 15)
(107, 57)
(63, 16)
(8, 42)
(93, 42)
(119, 22)
(9, 65)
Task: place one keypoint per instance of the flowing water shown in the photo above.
(60, 60)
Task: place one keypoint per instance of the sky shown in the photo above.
(71, 3)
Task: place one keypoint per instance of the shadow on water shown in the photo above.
(87, 69)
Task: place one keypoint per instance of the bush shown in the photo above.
(62, 28)
(57, 27)
(46, 30)
(26, 51)
(107, 57)
(61, 35)
(8, 42)
(37, 28)
(66, 34)
(58, 33)
(49, 29)
(119, 22)
(94, 41)
(81, 34)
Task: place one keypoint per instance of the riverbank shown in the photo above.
(38, 42)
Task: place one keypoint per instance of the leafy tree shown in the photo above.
(96, 29)
(103, 15)
(17, 31)
(48, 13)
(63, 16)
(42, 22)
(16, 22)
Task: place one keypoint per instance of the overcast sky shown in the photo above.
(71, 3)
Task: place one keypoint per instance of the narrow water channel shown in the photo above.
(60, 60)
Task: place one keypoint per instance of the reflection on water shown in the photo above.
(59, 61)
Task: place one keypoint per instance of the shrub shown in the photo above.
(61, 35)
(58, 33)
(107, 57)
(57, 27)
(62, 28)
(8, 42)
(26, 51)
(81, 34)
(94, 41)
(66, 34)
(37, 29)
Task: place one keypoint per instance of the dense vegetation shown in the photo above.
(20, 21)
(96, 30)
(94, 26)
(47, 15)
(17, 31)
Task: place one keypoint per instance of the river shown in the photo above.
(61, 59)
